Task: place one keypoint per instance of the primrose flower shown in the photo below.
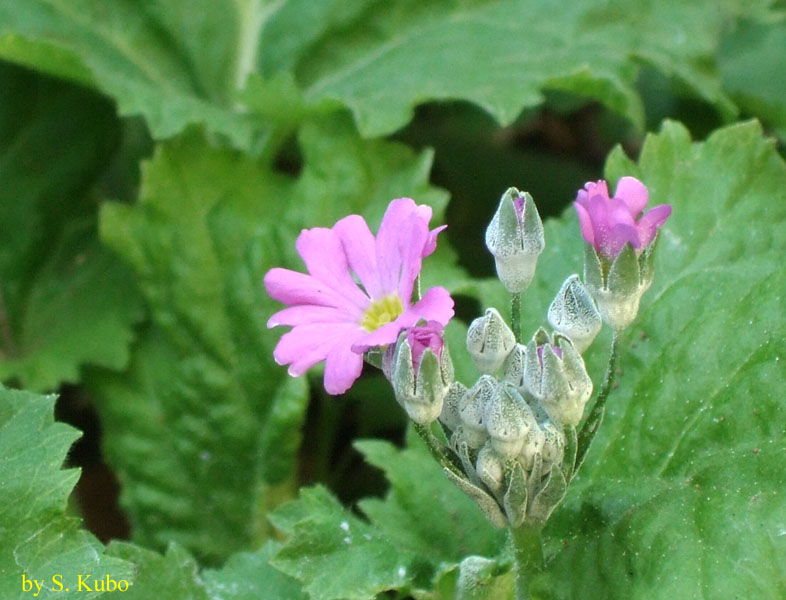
(618, 257)
(336, 320)
(610, 223)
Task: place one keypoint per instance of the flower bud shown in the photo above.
(617, 287)
(555, 374)
(573, 314)
(514, 365)
(420, 385)
(508, 420)
(451, 404)
(620, 243)
(515, 238)
(473, 411)
(489, 341)
(490, 469)
(533, 444)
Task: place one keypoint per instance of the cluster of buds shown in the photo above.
(514, 429)
(514, 432)
(512, 436)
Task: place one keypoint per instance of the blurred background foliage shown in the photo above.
(156, 158)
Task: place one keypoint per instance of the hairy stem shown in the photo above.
(595, 418)
(438, 450)
(515, 315)
(528, 557)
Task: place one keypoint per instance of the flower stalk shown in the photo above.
(595, 418)
(515, 315)
(527, 557)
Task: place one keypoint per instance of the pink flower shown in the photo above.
(425, 336)
(610, 223)
(336, 320)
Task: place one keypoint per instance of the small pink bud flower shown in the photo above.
(425, 336)
(610, 223)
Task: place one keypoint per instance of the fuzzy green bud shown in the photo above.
(555, 374)
(515, 238)
(573, 314)
(489, 341)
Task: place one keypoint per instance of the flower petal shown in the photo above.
(615, 239)
(592, 188)
(387, 334)
(435, 305)
(360, 249)
(633, 193)
(431, 244)
(403, 235)
(585, 222)
(305, 314)
(598, 211)
(291, 287)
(306, 345)
(342, 368)
(323, 253)
(650, 222)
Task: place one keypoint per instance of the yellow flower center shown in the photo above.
(381, 312)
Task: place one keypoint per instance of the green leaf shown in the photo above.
(196, 426)
(681, 485)
(201, 431)
(38, 540)
(419, 493)
(336, 554)
(423, 523)
(171, 576)
(751, 64)
(249, 576)
(383, 58)
(150, 57)
(64, 300)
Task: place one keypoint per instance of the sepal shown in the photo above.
(486, 503)
(515, 499)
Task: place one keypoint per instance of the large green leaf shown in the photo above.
(196, 429)
(423, 525)
(249, 576)
(383, 58)
(679, 494)
(175, 575)
(174, 62)
(64, 300)
(442, 523)
(336, 554)
(201, 431)
(37, 540)
(751, 63)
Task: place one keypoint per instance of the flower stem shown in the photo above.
(515, 315)
(595, 418)
(438, 450)
(528, 557)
